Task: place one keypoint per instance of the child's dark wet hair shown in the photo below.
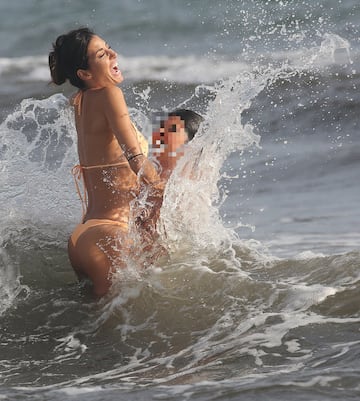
(192, 120)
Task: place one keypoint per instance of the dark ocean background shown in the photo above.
(259, 297)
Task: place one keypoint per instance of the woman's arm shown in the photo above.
(119, 121)
(117, 114)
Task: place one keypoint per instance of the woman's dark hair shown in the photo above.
(192, 120)
(68, 55)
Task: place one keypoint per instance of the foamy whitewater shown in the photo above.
(258, 296)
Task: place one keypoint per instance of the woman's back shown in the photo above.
(110, 182)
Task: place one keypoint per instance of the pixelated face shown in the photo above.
(168, 141)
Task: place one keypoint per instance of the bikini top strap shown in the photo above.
(77, 101)
(117, 164)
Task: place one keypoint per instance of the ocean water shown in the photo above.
(259, 296)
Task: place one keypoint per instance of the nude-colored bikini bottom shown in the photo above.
(81, 228)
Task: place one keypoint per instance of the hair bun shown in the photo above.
(68, 55)
(56, 69)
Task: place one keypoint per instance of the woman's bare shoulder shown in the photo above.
(111, 92)
(113, 101)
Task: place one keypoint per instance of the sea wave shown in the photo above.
(329, 51)
(231, 313)
(218, 309)
(270, 315)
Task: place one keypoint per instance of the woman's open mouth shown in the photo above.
(116, 70)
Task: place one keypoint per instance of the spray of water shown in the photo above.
(39, 148)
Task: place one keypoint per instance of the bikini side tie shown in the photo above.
(78, 175)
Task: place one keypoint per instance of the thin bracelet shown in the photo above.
(133, 157)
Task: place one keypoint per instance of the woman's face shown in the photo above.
(103, 68)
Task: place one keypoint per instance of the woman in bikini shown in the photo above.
(112, 155)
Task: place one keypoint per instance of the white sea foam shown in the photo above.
(39, 150)
(10, 285)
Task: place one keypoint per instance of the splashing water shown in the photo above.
(191, 203)
(190, 212)
(39, 149)
(218, 310)
(37, 146)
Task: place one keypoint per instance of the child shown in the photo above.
(175, 130)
